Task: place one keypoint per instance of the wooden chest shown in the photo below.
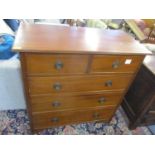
(74, 75)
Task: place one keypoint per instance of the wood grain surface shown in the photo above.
(64, 101)
(45, 64)
(50, 119)
(62, 39)
(46, 85)
(115, 63)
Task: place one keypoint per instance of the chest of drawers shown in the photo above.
(73, 75)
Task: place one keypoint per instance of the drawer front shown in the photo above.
(45, 120)
(67, 101)
(52, 64)
(49, 85)
(122, 64)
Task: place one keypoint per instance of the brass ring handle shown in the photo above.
(57, 86)
(102, 100)
(55, 119)
(116, 64)
(96, 115)
(56, 104)
(58, 65)
(108, 83)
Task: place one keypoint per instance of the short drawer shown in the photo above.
(53, 64)
(50, 119)
(115, 63)
(49, 85)
(74, 101)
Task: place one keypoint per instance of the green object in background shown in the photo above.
(113, 25)
(96, 23)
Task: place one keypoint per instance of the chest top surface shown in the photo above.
(65, 39)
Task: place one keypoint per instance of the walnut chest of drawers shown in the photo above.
(73, 75)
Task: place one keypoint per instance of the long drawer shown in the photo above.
(48, 85)
(56, 64)
(50, 119)
(115, 63)
(75, 101)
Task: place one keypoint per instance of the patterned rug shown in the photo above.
(17, 122)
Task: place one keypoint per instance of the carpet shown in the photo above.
(16, 122)
(152, 129)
